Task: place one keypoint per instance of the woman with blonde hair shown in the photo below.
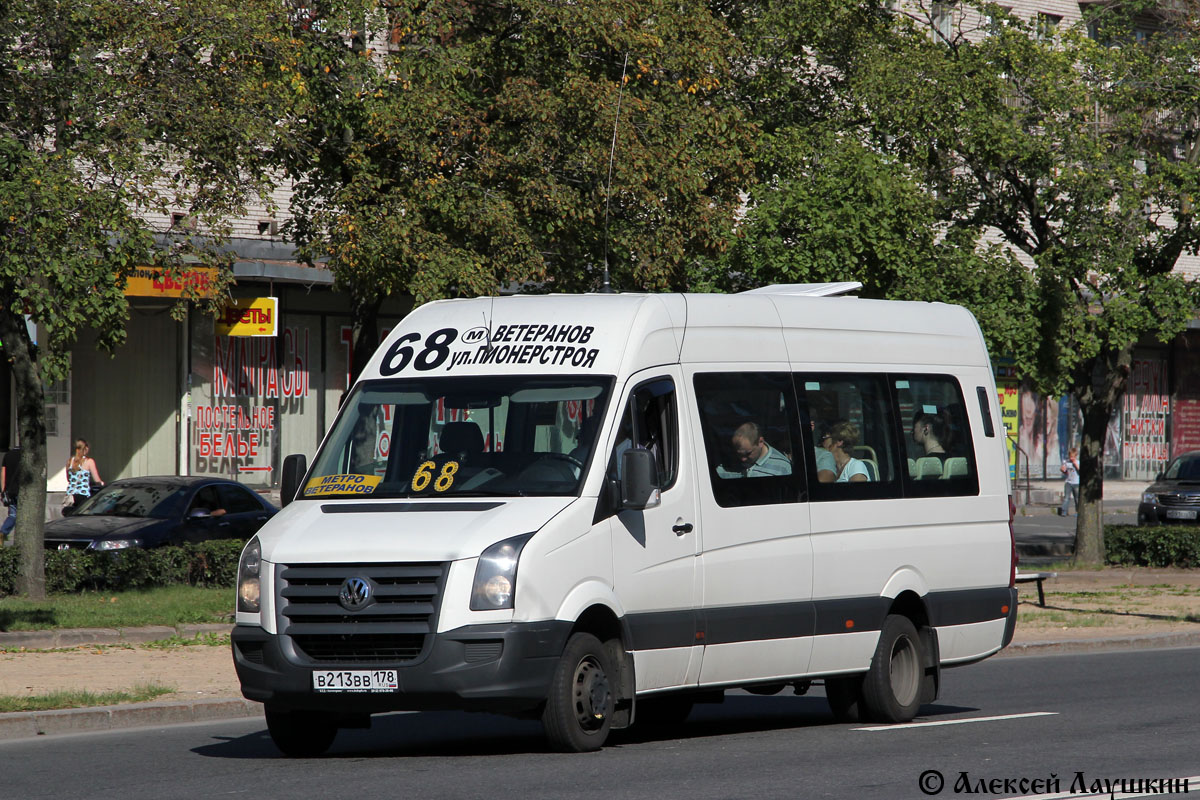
(840, 442)
(81, 472)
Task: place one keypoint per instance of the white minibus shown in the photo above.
(598, 510)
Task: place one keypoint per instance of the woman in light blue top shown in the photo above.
(81, 473)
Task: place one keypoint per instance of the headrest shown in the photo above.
(461, 439)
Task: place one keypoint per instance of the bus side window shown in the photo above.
(750, 429)
(850, 436)
(936, 432)
(650, 421)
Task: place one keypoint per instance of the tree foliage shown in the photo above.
(454, 148)
(834, 199)
(1080, 152)
(112, 111)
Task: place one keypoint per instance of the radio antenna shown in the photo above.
(606, 283)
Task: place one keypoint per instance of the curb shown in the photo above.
(1150, 640)
(82, 637)
(31, 724)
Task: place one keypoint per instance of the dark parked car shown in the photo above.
(1174, 497)
(150, 512)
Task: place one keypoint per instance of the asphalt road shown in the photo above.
(1043, 537)
(1110, 715)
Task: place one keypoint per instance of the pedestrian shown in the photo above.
(10, 486)
(81, 474)
(1070, 471)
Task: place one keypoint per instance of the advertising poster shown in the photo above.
(1144, 424)
(1009, 392)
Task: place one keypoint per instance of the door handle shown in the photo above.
(680, 527)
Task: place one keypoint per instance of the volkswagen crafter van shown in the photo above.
(597, 510)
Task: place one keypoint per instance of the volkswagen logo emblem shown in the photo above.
(355, 594)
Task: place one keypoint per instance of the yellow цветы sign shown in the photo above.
(249, 316)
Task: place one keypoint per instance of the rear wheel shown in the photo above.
(892, 687)
(579, 709)
(301, 734)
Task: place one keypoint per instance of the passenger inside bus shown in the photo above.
(843, 436)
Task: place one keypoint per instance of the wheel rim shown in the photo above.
(905, 671)
(591, 694)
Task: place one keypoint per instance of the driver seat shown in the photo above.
(461, 440)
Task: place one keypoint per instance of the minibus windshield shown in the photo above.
(471, 436)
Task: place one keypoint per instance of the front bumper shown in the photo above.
(502, 668)
(1159, 514)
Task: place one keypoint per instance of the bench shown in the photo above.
(1040, 577)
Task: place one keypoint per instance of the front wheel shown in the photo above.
(579, 709)
(301, 734)
(892, 687)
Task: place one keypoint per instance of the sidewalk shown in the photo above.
(1044, 497)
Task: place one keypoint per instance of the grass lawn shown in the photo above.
(171, 605)
(55, 700)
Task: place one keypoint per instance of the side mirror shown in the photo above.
(294, 468)
(68, 510)
(1159, 477)
(639, 480)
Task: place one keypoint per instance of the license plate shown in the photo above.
(353, 680)
(1181, 513)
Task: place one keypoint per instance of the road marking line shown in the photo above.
(1193, 781)
(956, 721)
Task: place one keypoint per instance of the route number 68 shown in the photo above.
(437, 350)
(424, 476)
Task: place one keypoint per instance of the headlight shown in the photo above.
(248, 583)
(1150, 498)
(115, 544)
(496, 575)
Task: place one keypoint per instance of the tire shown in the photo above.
(892, 687)
(579, 708)
(661, 712)
(845, 697)
(301, 734)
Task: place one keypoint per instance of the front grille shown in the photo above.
(1179, 499)
(393, 626)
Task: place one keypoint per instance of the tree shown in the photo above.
(111, 111)
(831, 203)
(1081, 154)
(452, 149)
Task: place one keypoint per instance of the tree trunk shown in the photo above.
(31, 427)
(1098, 394)
(364, 321)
